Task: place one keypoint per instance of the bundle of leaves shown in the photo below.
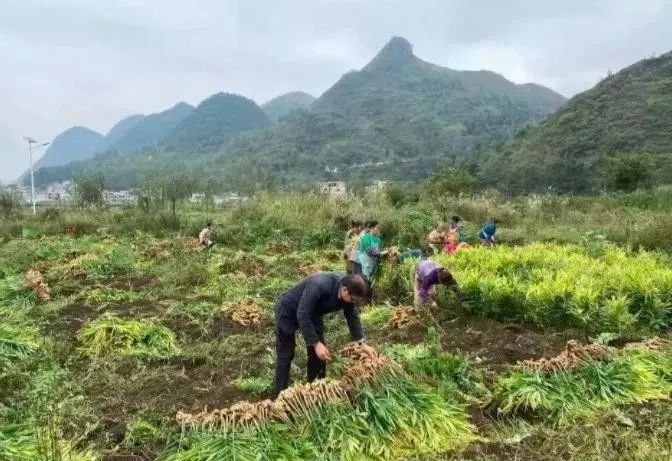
(390, 418)
(375, 316)
(635, 374)
(101, 295)
(268, 441)
(16, 343)
(453, 373)
(253, 384)
(110, 335)
(15, 292)
(17, 443)
(23, 443)
(552, 284)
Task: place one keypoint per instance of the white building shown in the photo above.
(333, 188)
(377, 186)
(118, 196)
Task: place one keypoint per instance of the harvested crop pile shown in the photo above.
(574, 354)
(240, 414)
(191, 244)
(299, 397)
(249, 264)
(390, 417)
(364, 364)
(654, 344)
(246, 312)
(403, 317)
(38, 284)
(311, 395)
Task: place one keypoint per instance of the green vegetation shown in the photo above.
(285, 104)
(616, 135)
(397, 118)
(552, 284)
(111, 335)
(76, 143)
(141, 324)
(632, 377)
(253, 385)
(214, 122)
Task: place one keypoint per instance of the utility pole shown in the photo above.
(30, 142)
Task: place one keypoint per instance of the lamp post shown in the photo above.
(30, 142)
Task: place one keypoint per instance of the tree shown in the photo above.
(10, 202)
(89, 191)
(628, 172)
(177, 189)
(450, 181)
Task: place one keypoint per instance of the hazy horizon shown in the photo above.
(78, 62)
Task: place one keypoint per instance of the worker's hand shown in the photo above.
(368, 349)
(322, 352)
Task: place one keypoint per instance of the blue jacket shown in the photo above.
(488, 231)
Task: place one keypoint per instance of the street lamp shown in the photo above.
(30, 142)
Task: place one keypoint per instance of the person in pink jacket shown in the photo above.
(428, 274)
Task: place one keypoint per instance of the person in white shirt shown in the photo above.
(205, 237)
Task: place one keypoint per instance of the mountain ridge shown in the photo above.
(627, 112)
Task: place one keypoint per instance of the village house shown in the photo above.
(332, 188)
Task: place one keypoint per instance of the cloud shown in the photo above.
(85, 62)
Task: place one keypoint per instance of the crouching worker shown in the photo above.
(428, 274)
(205, 237)
(302, 308)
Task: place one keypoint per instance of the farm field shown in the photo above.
(123, 344)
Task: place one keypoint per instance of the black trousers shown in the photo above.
(285, 345)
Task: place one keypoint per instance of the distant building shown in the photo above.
(377, 186)
(118, 196)
(333, 188)
(198, 197)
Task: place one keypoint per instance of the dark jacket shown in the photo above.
(303, 306)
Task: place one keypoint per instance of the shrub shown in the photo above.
(551, 284)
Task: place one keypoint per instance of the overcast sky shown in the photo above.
(92, 62)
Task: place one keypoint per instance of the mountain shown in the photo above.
(284, 104)
(152, 129)
(119, 130)
(76, 143)
(216, 121)
(627, 113)
(398, 117)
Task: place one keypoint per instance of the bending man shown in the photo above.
(302, 308)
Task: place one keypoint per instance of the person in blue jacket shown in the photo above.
(487, 233)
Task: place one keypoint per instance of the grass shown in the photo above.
(566, 262)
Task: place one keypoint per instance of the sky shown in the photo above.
(90, 63)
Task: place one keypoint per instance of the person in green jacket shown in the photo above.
(370, 250)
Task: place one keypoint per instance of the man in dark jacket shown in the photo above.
(302, 308)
